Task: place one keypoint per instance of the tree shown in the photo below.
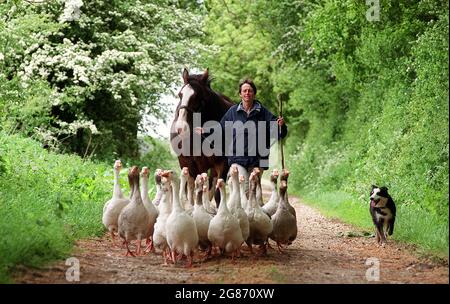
(106, 62)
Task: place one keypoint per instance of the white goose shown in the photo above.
(185, 196)
(234, 202)
(284, 222)
(201, 217)
(271, 206)
(182, 235)
(165, 208)
(134, 221)
(158, 195)
(224, 230)
(260, 224)
(284, 177)
(114, 206)
(151, 209)
(211, 209)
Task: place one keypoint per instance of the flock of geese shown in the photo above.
(178, 229)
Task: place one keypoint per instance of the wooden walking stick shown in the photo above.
(280, 108)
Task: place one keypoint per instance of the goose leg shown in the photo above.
(174, 258)
(238, 252)
(113, 238)
(138, 250)
(207, 254)
(190, 190)
(232, 257)
(190, 259)
(250, 247)
(279, 247)
(264, 248)
(150, 247)
(180, 256)
(128, 250)
(165, 256)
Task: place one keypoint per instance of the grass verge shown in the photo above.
(47, 201)
(427, 231)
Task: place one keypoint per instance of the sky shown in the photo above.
(162, 128)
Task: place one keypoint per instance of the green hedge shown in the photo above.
(46, 202)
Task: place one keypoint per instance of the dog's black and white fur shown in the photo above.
(383, 211)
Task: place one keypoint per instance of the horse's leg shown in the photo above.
(259, 197)
(221, 171)
(193, 171)
(217, 198)
(215, 175)
(212, 187)
(190, 190)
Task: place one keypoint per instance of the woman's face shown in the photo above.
(247, 94)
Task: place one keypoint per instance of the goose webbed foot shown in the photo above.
(280, 247)
(128, 250)
(150, 247)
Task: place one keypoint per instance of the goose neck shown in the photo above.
(176, 204)
(236, 191)
(117, 191)
(144, 187)
(223, 201)
(136, 191)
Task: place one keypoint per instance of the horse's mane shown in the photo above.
(198, 78)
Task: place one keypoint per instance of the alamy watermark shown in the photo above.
(373, 13)
(73, 272)
(373, 272)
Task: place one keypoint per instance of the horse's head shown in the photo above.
(193, 97)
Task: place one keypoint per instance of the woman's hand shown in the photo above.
(199, 130)
(280, 121)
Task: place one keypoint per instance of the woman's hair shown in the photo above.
(248, 81)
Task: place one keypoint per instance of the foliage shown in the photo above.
(47, 201)
(101, 65)
(157, 152)
(239, 50)
(366, 102)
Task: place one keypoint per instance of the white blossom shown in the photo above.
(72, 11)
(93, 129)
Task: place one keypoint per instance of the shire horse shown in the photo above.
(196, 96)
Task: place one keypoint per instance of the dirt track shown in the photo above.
(322, 253)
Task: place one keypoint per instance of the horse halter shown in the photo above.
(188, 108)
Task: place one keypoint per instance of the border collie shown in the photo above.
(382, 209)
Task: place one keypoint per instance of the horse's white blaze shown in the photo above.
(181, 122)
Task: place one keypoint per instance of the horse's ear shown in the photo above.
(205, 76)
(185, 76)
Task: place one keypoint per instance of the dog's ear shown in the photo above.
(384, 189)
(374, 186)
